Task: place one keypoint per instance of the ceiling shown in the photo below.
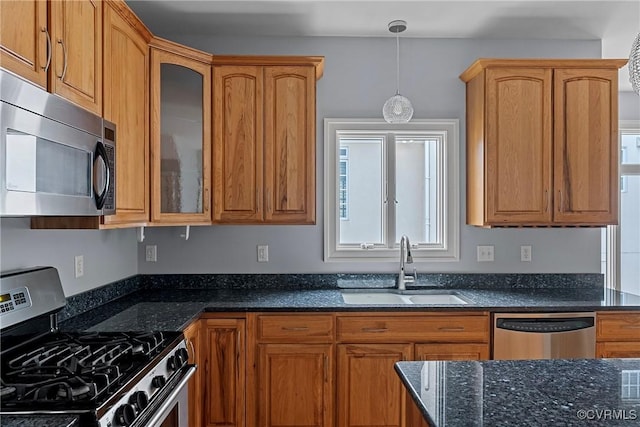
(616, 23)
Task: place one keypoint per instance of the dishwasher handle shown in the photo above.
(545, 325)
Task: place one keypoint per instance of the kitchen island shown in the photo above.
(514, 393)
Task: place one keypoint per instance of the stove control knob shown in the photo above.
(125, 415)
(172, 363)
(181, 356)
(139, 400)
(158, 381)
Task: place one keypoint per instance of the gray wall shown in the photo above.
(629, 106)
(359, 76)
(109, 255)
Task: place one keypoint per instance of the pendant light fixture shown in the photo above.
(397, 109)
(634, 65)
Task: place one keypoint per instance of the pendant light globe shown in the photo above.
(398, 108)
(634, 65)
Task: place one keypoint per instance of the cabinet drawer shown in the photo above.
(435, 328)
(618, 326)
(295, 328)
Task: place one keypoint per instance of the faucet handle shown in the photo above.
(415, 274)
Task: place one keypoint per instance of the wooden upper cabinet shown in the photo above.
(59, 49)
(542, 142)
(24, 36)
(76, 63)
(126, 103)
(518, 129)
(180, 134)
(290, 149)
(238, 143)
(586, 146)
(265, 139)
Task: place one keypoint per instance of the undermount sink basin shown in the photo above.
(398, 298)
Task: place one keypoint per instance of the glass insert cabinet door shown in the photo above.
(180, 139)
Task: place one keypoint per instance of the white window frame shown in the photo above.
(449, 248)
(612, 242)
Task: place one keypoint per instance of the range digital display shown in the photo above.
(5, 297)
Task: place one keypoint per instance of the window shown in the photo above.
(383, 181)
(621, 243)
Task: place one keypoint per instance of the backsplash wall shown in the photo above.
(359, 76)
(109, 255)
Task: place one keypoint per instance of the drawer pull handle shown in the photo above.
(451, 328)
(375, 329)
(630, 327)
(295, 328)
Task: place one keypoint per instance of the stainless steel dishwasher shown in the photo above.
(544, 336)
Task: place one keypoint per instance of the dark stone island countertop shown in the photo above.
(39, 421)
(522, 393)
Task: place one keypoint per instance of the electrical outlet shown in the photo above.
(263, 253)
(79, 266)
(525, 253)
(151, 253)
(485, 253)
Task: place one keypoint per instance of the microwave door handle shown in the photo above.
(101, 152)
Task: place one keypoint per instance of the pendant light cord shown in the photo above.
(397, 64)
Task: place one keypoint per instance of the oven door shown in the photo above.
(172, 408)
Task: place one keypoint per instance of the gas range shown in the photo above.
(107, 379)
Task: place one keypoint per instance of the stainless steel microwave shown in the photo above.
(55, 157)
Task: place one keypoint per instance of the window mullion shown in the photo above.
(392, 201)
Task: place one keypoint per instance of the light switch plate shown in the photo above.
(151, 253)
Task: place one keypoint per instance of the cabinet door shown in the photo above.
(126, 103)
(238, 144)
(76, 33)
(180, 139)
(295, 386)
(618, 349)
(290, 150)
(518, 146)
(224, 372)
(23, 39)
(370, 392)
(196, 398)
(586, 146)
(452, 352)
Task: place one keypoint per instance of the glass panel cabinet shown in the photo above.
(180, 138)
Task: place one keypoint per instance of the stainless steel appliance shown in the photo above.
(55, 157)
(544, 336)
(107, 379)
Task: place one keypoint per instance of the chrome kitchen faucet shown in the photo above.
(405, 258)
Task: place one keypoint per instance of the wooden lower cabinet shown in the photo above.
(224, 372)
(196, 399)
(295, 385)
(321, 369)
(618, 349)
(618, 334)
(465, 351)
(369, 391)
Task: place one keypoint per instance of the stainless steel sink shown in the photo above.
(389, 297)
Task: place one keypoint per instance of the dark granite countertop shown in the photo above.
(584, 392)
(39, 421)
(173, 309)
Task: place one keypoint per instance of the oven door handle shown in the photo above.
(170, 399)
